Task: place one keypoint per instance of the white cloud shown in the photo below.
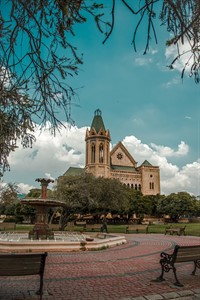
(147, 59)
(187, 179)
(169, 152)
(174, 81)
(51, 156)
(143, 61)
(185, 53)
(154, 51)
(67, 146)
(24, 188)
(48, 175)
(173, 178)
(5, 76)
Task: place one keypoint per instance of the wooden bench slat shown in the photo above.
(186, 259)
(25, 259)
(188, 249)
(189, 254)
(137, 228)
(11, 264)
(17, 272)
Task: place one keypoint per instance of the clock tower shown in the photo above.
(98, 147)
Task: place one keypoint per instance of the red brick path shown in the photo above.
(122, 272)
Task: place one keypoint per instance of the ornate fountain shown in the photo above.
(42, 238)
(41, 228)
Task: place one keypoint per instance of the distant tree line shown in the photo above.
(88, 195)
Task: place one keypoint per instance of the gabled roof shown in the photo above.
(74, 171)
(146, 164)
(121, 146)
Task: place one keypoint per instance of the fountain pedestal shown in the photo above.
(41, 228)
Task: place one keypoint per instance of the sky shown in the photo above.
(145, 105)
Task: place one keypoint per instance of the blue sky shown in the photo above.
(144, 105)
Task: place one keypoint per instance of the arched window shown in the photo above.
(93, 153)
(106, 156)
(140, 187)
(151, 185)
(131, 185)
(101, 153)
(135, 186)
(128, 185)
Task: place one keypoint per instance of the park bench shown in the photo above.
(81, 224)
(137, 228)
(93, 227)
(70, 226)
(181, 254)
(175, 230)
(7, 226)
(24, 264)
(54, 226)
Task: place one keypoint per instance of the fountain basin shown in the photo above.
(62, 242)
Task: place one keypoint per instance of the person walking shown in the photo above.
(104, 225)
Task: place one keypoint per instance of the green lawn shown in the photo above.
(191, 228)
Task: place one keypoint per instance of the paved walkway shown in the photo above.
(120, 273)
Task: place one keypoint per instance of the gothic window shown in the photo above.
(106, 156)
(93, 153)
(151, 185)
(101, 153)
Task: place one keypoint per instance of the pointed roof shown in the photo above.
(97, 122)
(146, 164)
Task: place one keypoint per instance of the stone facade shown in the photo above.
(118, 163)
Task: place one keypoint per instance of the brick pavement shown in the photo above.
(120, 273)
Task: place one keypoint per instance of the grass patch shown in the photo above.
(192, 229)
(24, 227)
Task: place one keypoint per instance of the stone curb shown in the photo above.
(181, 295)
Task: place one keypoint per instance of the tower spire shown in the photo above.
(97, 122)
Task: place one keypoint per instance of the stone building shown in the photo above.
(117, 163)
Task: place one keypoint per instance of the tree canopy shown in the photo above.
(10, 204)
(34, 73)
(86, 194)
(178, 204)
